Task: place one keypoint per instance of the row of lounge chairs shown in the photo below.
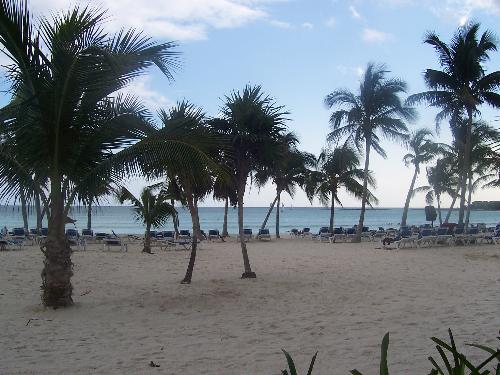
(428, 237)
(338, 235)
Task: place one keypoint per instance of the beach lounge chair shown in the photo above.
(405, 238)
(114, 241)
(306, 232)
(459, 236)
(214, 234)
(366, 234)
(338, 235)
(473, 235)
(427, 237)
(493, 237)
(380, 233)
(443, 237)
(88, 235)
(168, 235)
(6, 244)
(184, 234)
(323, 235)
(20, 235)
(350, 233)
(74, 239)
(264, 235)
(247, 235)
(294, 232)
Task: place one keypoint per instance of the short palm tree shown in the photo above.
(375, 111)
(442, 180)
(195, 182)
(462, 85)
(422, 150)
(286, 172)
(253, 125)
(150, 208)
(338, 170)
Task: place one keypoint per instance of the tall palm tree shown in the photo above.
(375, 110)
(254, 124)
(286, 172)
(68, 123)
(153, 210)
(337, 170)
(462, 85)
(442, 180)
(224, 190)
(422, 150)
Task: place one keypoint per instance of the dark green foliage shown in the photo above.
(458, 364)
(291, 364)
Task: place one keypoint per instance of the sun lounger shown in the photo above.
(74, 239)
(427, 237)
(264, 235)
(9, 244)
(366, 234)
(19, 234)
(323, 235)
(443, 237)
(459, 236)
(214, 234)
(114, 242)
(294, 232)
(338, 235)
(247, 235)
(184, 234)
(306, 232)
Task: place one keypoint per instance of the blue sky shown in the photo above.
(299, 51)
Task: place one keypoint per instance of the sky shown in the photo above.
(299, 51)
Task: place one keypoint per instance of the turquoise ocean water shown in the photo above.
(121, 219)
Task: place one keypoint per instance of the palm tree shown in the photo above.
(254, 125)
(153, 210)
(225, 191)
(442, 180)
(376, 110)
(193, 183)
(67, 122)
(286, 172)
(335, 171)
(462, 85)
(422, 150)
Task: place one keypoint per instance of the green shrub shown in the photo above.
(457, 364)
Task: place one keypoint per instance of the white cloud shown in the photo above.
(280, 24)
(461, 11)
(307, 25)
(354, 12)
(173, 19)
(153, 100)
(331, 22)
(344, 70)
(375, 36)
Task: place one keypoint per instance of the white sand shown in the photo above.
(337, 299)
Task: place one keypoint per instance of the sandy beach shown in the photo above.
(337, 299)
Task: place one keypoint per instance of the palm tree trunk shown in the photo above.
(466, 167)
(278, 199)
(89, 216)
(58, 269)
(193, 210)
(365, 192)
(469, 199)
(438, 198)
(38, 211)
(147, 239)
(175, 220)
(24, 211)
(408, 198)
(248, 274)
(269, 212)
(332, 212)
(224, 223)
(448, 214)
